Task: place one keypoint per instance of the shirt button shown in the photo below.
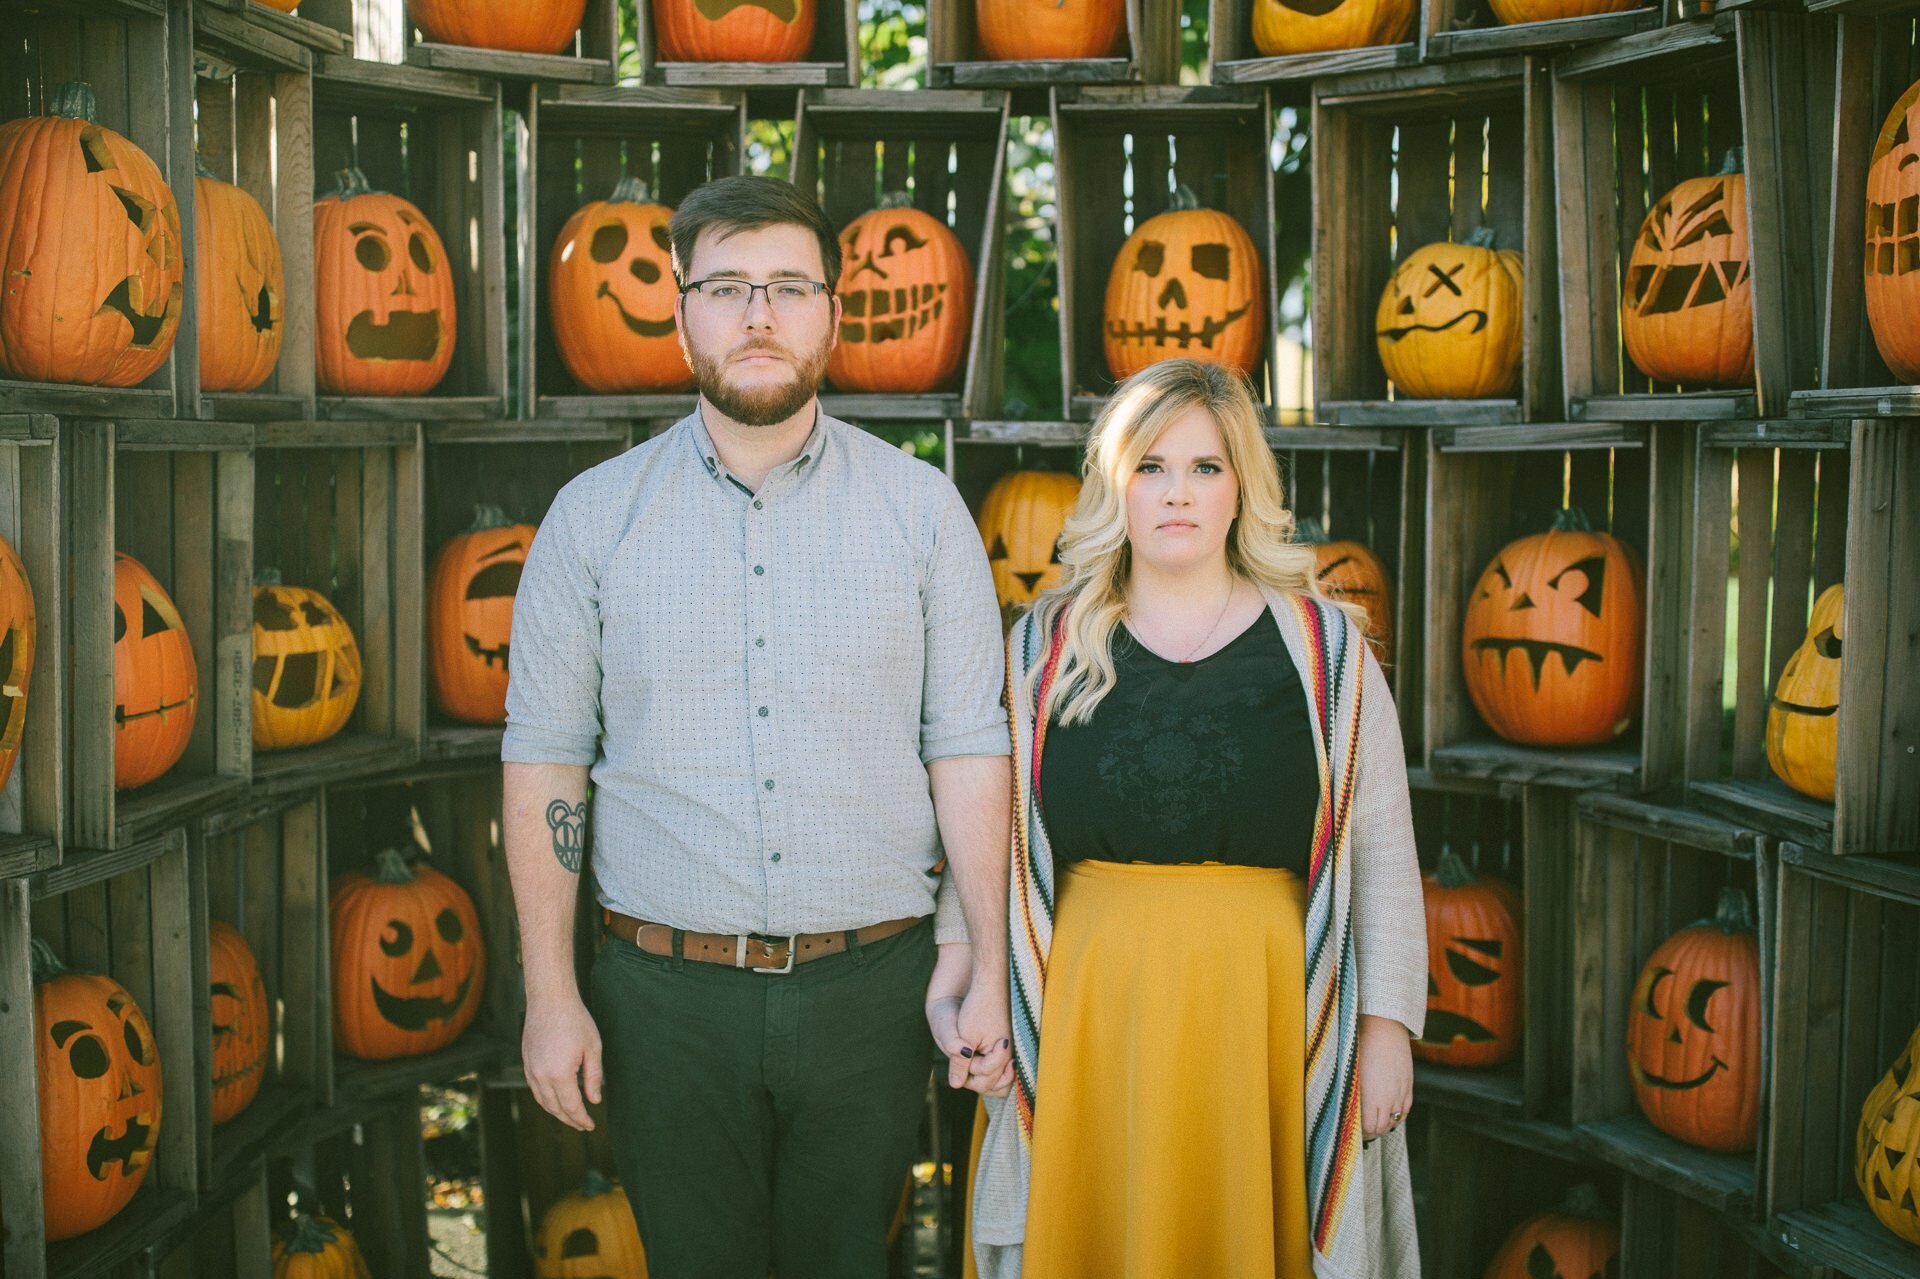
(768, 783)
(758, 571)
(757, 504)
(760, 641)
(775, 857)
(763, 712)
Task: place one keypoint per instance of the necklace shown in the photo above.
(1225, 605)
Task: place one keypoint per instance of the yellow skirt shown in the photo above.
(1170, 1137)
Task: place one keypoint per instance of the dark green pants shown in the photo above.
(765, 1120)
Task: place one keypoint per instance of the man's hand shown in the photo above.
(984, 1065)
(1384, 1060)
(560, 1051)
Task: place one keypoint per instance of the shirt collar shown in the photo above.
(808, 459)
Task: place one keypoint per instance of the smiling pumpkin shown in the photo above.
(408, 964)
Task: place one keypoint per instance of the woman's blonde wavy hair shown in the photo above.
(1096, 557)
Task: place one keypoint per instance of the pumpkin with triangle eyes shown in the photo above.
(732, 30)
(90, 250)
(1448, 325)
(590, 1234)
(1045, 30)
(99, 1073)
(1348, 570)
(240, 286)
(409, 970)
(242, 1021)
(610, 292)
(1551, 643)
(1020, 522)
(21, 625)
(1693, 1031)
(156, 686)
(383, 294)
(1474, 968)
(1803, 728)
(317, 1248)
(1892, 257)
(906, 302)
(1187, 283)
(470, 616)
(1886, 1146)
(518, 26)
(1686, 310)
(1282, 27)
(1578, 1240)
(306, 667)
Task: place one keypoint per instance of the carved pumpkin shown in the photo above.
(306, 667)
(21, 623)
(1044, 30)
(1693, 1032)
(284, 6)
(1186, 283)
(610, 292)
(1474, 968)
(906, 298)
(1020, 522)
(156, 686)
(1575, 1242)
(1448, 325)
(242, 1021)
(1893, 238)
(590, 1235)
(1512, 11)
(1803, 720)
(1551, 644)
(1349, 571)
(1686, 314)
(383, 293)
(99, 1073)
(91, 270)
(240, 284)
(470, 616)
(317, 1248)
(518, 26)
(732, 30)
(408, 966)
(1282, 27)
(1886, 1146)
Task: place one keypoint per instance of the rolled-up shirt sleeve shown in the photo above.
(960, 710)
(553, 687)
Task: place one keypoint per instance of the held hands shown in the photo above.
(972, 1029)
(559, 1052)
(1384, 1060)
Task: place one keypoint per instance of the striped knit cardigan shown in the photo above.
(1372, 961)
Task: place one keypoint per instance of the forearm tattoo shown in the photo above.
(568, 822)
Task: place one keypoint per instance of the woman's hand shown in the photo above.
(1384, 1059)
(988, 1072)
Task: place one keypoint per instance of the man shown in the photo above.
(772, 640)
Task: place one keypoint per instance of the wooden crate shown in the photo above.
(337, 509)
(1637, 115)
(1403, 159)
(1807, 504)
(177, 497)
(1119, 155)
(1487, 486)
(1448, 29)
(1149, 54)
(433, 137)
(229, 1237)
(122, 48)
(577, 145)
(130, 915)
(381, 31)
(300, 29)
(832, 62)
(1663, 1233)
(1641, 873)
(1846, 999)
(948, 148)
(33, 803)
(1233, 58)
(532, 1160)
(364, 1166)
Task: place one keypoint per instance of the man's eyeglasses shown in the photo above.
(786, 297)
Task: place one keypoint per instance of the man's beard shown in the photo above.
(765, 405)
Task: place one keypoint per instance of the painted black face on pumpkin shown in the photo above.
(1468, 964)
(1686, 273)
(117, 1054)
(643, 258)
(872, 309)
(1694, 1013)
(1204, 273)
(489, 603)
(1432, 303)
(396, 252)
(149, 317)
(397, 943)
(1581, 584)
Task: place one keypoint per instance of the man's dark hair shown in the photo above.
(745, 203)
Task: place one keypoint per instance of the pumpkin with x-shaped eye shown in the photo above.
(240, 286)
(1578, 1240)
(470, 615)
(1448, 325)
(1686, 313)
(156, 686)
(1187, 283)
(610, 293)
(906, 302)
(91, 269)
(21, 625)
(1892, 257)
(1803, 719)
(1886, 1146)
(306, 667)
(317, 1248)
(1020, 522)
(733, 30)
(409, 970)
(1474, 968)
(383, 294)
(242, 1020)
(1348, 570)
(590, 1234)
(1046, 30)
(1282, 27)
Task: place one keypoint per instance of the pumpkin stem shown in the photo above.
(353, 184)
(1184, 199)
(73, 99)
(630, 190)
(597, 1183)
(268, 576)
(308, 1234)
(201, 169)
(1572, 520)
(1735, 162)
(390, 867)
(1482, 237)
(45, 964)
(1733, 913)
(895, 200)
(1585, 1201)
(485, 516)
(1452, 872)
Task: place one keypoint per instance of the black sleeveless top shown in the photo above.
(1189, 761)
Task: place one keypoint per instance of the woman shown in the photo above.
(1218, 984)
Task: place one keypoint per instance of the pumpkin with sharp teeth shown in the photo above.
(733, 30)
(906, 298)
(383, 294)
(317, 1248)
(1686, 310)
(1020, 522)
(409, 970)
(1187, 283)
(1448, 325)
(590, 1234)
(306, 666)
(242, 1021)
(91, 269)
(21, 625)
(1886, 1146)
(156, 685)
(1474, 968)
(1803, 720)
(240, 286)
(610, 292)
(1282, 27)
(1551, 643)
(1045, 30)
(1892, 257)
(1348, 570)
(99, 1073)
(470, 616)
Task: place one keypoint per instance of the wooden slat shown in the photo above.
(23, 1243)
(1755, 527)
(88, 451)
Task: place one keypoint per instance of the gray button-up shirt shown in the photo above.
(759, 678)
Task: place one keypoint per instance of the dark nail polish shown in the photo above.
(1004, 1043)
(966, 1052)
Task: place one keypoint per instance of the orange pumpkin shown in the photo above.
(242, 1021)
(1475, 968)
(1282, 27)
(470, 616)
(240, 285)
(1893, 238)
(1551, 644)
(1045, 30)
(1686, 314)
(317, 1248)
(1693, 1032)
(519, 26)
(1349, 571)
(21, 623)
(611, 292)
(306, 666)
(99, 1073)
(1577, 1241)
(1512, 11)
(90, 250)
(1448, 323)
(284, 6)
(383, 294)
(590, 1232)
(1020, 523)
(1884, 1143)
(1803, 718)
(1187, 283)
(732, 30)
(409, 970)
(906, 297)
(156, 686)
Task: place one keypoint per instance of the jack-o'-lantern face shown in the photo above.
(589, 1235)
(1186, 283)
(241, 287)
(384, 294)
(470, 616)
(906, 289)
(611, 294)
(1803, 721)
(306, 668)
(18, 631)
(1282, 27)
(242, 1022)
(408, 963)
(1892, 257)
(1887, 1145)
(1473, 968)
(1448, 325)
(156, 686)
(1020, 523)
(1687, 304)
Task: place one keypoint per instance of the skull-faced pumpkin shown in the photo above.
(1893, 238)
(1348, 570)
(240, 284)
(1187, 283)
(1803, 719)
(733, 30)
(1686, 310)
(1282, 27)
(590, 1234)
(1448, 325)
(518, 26)
(1043, 30)
(317, 1248)
(99, 1073)
(1886, 1146)
(409, 970)
(1578, 1240)
(21, 624)
(383, 294)
(1474, 968)
(156, 686)
(306, 667)
(1020, 522)
(610, 292)
(470, 616)
(1551, 644)
(91, 269)
(242, 1021)
(906, 297)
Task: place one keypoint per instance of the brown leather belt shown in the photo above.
(751, 951)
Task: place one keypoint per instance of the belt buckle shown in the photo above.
(742, 941)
